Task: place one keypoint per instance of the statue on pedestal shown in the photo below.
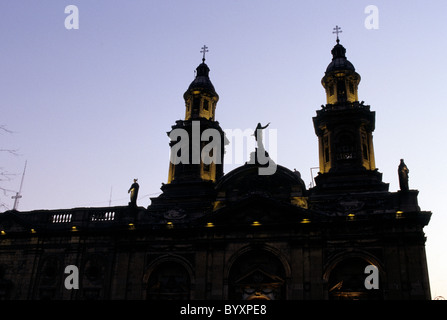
(133, 190)
(258, 134)
(260, 156)
(403, 175)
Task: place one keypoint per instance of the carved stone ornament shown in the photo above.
(174, 214)
(349, 205)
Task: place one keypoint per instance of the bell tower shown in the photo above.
(197, 142)
(197, 146)
(344, 125)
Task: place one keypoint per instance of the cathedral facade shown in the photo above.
(241, 235)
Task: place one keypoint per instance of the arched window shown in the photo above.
(341, 90)
(257, 274)
(345, 146)
(195, 106)
(93, 274)
(347, 281)
(169, 281)
(5, 285)
(49, 276)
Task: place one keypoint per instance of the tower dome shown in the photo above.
(201, 83)
(339, 60)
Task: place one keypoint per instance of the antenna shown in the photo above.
(110, 200)
(19, 194)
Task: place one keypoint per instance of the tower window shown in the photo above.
(195, 105)
(205, 105)
(341, 91)
(331, 90)
(326, 148)
(351, 87)
(364, 145)
(345, 147)
(365, 152)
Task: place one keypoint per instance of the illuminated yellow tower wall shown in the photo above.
(200, 105)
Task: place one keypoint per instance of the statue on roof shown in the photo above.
(133, 190)
(403, 175)
(258, 134)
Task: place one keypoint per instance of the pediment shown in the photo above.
(258, 277)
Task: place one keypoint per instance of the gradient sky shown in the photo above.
(90, 108)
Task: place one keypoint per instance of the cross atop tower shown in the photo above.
(204, 50)
(337, 30)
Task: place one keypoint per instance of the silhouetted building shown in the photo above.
(241, 235)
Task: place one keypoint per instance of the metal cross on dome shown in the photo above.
(337, 30)
(204, 50)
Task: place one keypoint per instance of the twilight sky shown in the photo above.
(90, 107)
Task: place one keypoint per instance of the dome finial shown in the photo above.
(337, 30)
(204, 50)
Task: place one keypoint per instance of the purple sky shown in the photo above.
(90, 107)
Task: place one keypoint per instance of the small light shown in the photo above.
(351, 216)
(210, 225)
(131, 226)
(399, 214)
(2, 232)
(305, 221)
(169, 225)
(33, 231)
(256, 224)
(74, 228)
